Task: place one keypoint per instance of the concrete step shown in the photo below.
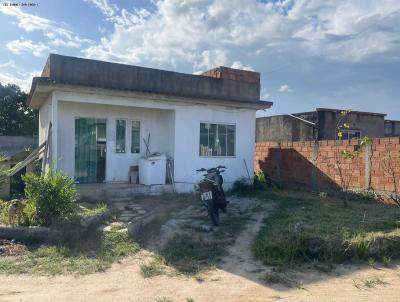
(122, 199)
(129, 192)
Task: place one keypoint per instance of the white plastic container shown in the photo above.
(153, 170)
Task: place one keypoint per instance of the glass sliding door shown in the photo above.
(90, 147)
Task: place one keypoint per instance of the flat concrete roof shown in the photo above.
(352, 112)
(80, 72)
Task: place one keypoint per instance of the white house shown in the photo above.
(102, 115)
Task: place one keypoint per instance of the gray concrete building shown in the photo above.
(392, 128)
(321, 124)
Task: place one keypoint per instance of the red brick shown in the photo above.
(389, 187)
(395, 140)
(380, 147)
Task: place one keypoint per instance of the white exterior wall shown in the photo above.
(174, 128)
(117, 164)
(44, 119)
(187, 132)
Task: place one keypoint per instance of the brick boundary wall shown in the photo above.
(311, 163)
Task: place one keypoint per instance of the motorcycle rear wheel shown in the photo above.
(213, 213)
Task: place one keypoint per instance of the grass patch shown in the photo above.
(189, 255)
(93, 255)
(155, 267)
(101, 208)
(163, 299)
(4, 212)
(306, 228)
(373, 282)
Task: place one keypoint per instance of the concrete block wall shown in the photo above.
(312, 164)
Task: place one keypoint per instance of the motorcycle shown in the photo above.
(211, 192)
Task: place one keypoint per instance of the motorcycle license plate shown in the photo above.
(206, 195)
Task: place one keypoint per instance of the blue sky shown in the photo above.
(311, 53)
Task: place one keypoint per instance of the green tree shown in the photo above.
(342, 157)
(16, 118)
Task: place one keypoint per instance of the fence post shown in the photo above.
(314, 180)
(368, 164)
(278, 163)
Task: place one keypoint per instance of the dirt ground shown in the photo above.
(238, 279)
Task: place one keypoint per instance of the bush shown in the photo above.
(260, 181)
(53, 195)
(29, 216)
(242, 186)
(3, 212)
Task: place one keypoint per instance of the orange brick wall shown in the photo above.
(312, 163)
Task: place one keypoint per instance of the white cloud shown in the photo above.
(19, 46)
(264, 94)
(320, 47)
(27, 22)
(106, 8)
(285, 88)
(11, 73)
(56, 35)
(203, 34)
(239, 65)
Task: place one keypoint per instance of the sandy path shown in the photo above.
(237, 280)
(239, 260)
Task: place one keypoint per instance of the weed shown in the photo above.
(199, 278)
(371, 283)
(154, 267)
(189, 300)
(98, 210)
(29, 216)
(276, 297)
(356, 284)
(163, 299)
(386, 261)
(371, 262)
(3, 212)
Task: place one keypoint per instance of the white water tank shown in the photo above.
(153, 170)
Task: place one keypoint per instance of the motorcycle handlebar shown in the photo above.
(218, 168)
